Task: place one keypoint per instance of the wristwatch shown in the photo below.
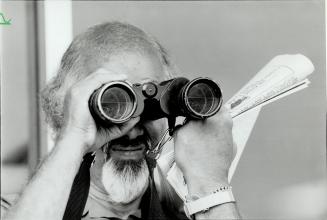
(194, 204)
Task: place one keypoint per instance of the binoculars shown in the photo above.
(118, 101)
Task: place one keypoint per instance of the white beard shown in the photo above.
(126, 185)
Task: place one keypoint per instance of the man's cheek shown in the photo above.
(155, 129)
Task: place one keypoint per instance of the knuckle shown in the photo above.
(226, 117)
(98, 72)
(74, 91)
(228, 120)
(223, 109)
(223, 119)
(102, 75)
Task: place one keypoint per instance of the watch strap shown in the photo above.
(204, 203)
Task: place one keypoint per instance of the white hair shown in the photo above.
(124, 184)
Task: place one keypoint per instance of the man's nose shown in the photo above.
(135, 132)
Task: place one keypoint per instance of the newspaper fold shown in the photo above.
(279, 77)
(282, 76)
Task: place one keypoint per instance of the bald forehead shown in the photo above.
(138, 67)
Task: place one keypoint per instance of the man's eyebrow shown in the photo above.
(149, 80)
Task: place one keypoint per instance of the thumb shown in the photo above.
(125, 127)
(106, 135)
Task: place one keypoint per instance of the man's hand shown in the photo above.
(204, 151)
(79, 122)
(47, 193)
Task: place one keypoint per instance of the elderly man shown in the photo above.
(120, 183)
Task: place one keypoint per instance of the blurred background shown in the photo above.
(282, 171)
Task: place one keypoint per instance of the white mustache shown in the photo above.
(124, 141)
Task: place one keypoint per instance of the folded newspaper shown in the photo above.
(282, 76)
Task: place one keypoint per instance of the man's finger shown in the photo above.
(129, 125)
(96, 80)
(104, 75)
(116, 131)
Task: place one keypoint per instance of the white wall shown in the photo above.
(14, 79)
(14, 96)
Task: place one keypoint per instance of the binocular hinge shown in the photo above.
(156, 151)
(171, 125)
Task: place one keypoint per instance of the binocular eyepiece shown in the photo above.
(116, 102)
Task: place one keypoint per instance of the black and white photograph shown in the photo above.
(159, 110)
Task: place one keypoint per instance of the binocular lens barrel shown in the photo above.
(202, 97)
(116, 102)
